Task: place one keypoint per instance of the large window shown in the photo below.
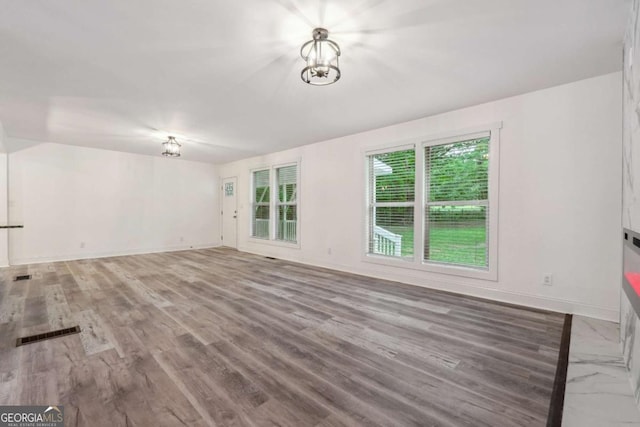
(286, 203)
(261, 204)
(391, 203)
(457, 202)
(275, 203)
(442, 191)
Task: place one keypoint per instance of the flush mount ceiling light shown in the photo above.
(321, 55)
(171, 147)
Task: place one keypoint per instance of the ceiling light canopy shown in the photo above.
(171, 147)
(321, 55)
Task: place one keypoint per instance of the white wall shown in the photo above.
(631, 123)
(4, 234)
(3, 149)
(115, 203)
(560, 198)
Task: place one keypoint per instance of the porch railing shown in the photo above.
(386, 243)
(287, 231)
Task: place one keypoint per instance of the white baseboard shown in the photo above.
(412, 277)
(90, 255)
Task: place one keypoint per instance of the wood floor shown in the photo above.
(219, 337)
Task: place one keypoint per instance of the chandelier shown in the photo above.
(171, 147)
(321, 56)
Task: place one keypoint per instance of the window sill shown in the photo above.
(413, 264)
(280, 243)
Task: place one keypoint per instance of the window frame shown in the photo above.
(418, 262)
(278, 203)
(374, 204)
(255, 204)
(273, 205)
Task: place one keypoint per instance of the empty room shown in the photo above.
(320, 213)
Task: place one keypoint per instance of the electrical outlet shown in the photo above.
(547, 280)
(81, 245)
(329, 251)
(181, 238)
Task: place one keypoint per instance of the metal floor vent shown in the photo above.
(47, 335)
(22, 277)
(269, 257)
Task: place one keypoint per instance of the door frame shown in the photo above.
(222, 196)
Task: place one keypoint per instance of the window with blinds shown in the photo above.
(286, 203)
(261, 208)
(391, 204)
(442, 192)
(456, 212)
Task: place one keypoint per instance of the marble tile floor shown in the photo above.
(598, 391)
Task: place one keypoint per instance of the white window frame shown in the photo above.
(252, 202)
(277, 203)
(273, 205)
(417, 263)
(370, 204)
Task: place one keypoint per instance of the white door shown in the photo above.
(229, 212)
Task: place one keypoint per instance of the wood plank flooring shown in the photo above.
(220, 337)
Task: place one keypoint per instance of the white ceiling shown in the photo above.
(224, 76)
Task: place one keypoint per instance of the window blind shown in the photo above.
(457, 203)
(391, 203)
(287, 204)
(261, 204)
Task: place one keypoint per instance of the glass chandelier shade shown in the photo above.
(321, 56)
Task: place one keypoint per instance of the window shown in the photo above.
(261, 204)
(228, 189)
(434, 204)
(457, 202)
(275, 190)
(286, 205)
(391, 203)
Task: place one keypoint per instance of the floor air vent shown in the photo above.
(47, 335)
(269, 257)
(22, 277)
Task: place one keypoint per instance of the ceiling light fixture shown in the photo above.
(321, 55)
(171, 147)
